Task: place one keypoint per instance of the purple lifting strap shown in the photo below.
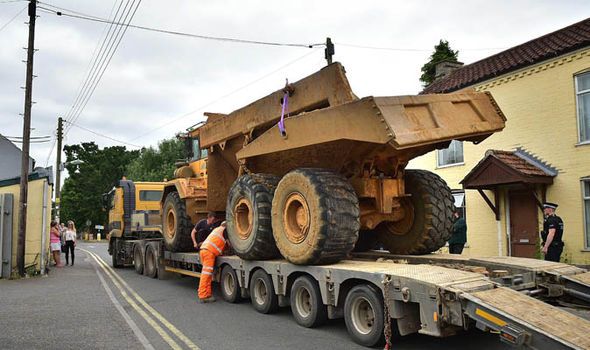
(282, 129)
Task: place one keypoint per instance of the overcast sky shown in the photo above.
(157, 78)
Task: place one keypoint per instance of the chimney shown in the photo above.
(444, 68)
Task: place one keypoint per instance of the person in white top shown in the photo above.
(70, 238)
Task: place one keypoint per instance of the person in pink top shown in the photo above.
(55, 243)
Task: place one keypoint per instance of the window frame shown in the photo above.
(149, 200)
(439, 158)
(464, 206)
(581, 129)
(585, 201)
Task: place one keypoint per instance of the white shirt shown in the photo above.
(70, 235)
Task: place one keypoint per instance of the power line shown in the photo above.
(9, 1)
(102, 135)
(79, 15)
(13, 18)
(408, 49)
(226, 95)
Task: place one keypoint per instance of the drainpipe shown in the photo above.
(44, 227)
(508, 230)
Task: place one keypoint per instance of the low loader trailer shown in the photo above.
(383, 296)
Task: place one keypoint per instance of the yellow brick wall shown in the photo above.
(34, 221)
(540, 106)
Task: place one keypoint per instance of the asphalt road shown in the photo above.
(71, 309)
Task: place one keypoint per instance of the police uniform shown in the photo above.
(553, 222)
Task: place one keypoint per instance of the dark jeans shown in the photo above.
(456, 248)
(554, 253)
(69, 248)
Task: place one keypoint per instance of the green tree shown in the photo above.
(157, 164)
(442, 52)
(81, 196)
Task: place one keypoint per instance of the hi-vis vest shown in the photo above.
(215, 242)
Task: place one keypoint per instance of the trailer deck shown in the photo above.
(422, 296)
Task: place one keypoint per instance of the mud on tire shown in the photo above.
(176, 224)
(433, 206)
(248, 216)
(315, 217)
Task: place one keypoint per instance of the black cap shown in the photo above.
(550, 205)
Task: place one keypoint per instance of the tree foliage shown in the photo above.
(157, 164)
(81, 196)
(442, 52)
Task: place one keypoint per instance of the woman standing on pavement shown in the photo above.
(55, 243)
(70, 238)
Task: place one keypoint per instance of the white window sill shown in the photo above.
(583, 143)
(450, 165)
(585, 250)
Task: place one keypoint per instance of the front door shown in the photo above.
(523, 224)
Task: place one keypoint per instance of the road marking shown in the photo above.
(138, 333)
(174, 345)
(155, 313)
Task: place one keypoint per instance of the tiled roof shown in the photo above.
(518, 163)
(551, 45)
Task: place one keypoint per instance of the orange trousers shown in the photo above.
(208, 262)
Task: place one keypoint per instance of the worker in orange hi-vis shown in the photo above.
(211, 248)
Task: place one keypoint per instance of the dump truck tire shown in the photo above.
(176, 224)
(248, 216)
(433, 207)
(315, 217)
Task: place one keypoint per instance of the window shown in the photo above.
(196, 149)
(150, 195)
(583, 102)
(459, 197)
(586, 197)
(451, 155)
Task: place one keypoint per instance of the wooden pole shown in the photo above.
(24, 177)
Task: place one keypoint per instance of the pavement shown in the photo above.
(93, 306)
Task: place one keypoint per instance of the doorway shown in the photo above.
(524, 238)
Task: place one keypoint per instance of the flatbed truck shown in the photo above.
(382, 296)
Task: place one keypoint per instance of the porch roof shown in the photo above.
(508, 167)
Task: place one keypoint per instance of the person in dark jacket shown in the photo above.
(552, 233)
(459, 237)
(204, 227)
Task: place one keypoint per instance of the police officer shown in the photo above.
(552, 233)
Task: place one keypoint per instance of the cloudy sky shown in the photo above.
(158, 84)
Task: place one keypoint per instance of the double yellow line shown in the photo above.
(134, 299)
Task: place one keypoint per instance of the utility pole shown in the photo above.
(329, 50)
(24, 175)
(60, 126)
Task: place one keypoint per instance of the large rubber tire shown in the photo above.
(151, 265)
(306, 303)
(229, 285)
(138, 258)
(315, 217)
(433, 206)
(176, 224)
(364, 315)
(262, 293)
(248, 216)
(116, 261)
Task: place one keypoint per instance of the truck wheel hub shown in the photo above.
(403, 226)
(296, 218)
(243, 214)
(363, 316)
(171, 223)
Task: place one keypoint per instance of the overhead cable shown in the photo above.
(102, 135)
(172, 32)
(13, 18)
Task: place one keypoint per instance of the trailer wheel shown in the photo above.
(116, 261)
(151, 269)
(138, 258)
(248, 216)
(230, 287)
(262, 293)
(315, 217)
(306, 303)
(363, 315)
(430, 221)
(176, 224)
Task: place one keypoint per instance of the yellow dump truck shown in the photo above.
(134, 213)
(311, 180)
